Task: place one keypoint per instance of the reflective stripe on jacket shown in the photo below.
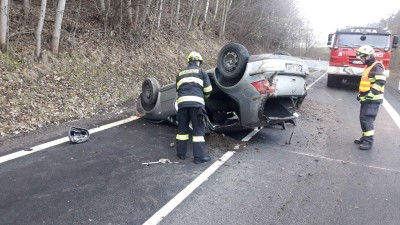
(192, 85)
(372, 83)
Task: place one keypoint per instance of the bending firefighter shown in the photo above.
(192, 85)
(370, 94)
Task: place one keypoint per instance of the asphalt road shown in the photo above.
(311, 173)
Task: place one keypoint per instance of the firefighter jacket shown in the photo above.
(372, 83)
(192, 85)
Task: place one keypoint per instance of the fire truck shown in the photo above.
(344, 66)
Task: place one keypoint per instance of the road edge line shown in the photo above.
(319, 78)
(392, 112)
(174, 202)
(46, 145)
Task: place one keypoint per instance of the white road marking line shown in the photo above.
(61, 140)
(342, 161)
(392, 112)
(252, 133)
(309, 86)
(173, 203)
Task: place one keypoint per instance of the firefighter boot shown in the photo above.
(358, 141)
(181, 156)
(203, 159)
(365, 146)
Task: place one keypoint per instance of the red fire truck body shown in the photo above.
(344, 66)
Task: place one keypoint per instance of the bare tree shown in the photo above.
(192, 14)
(227, 6)
(102, 7)
(135, 26)
(27, 7)
(178, 7)
(159, 15)
(130, 12)
(216, 9)
(57, 26)
(39, 28)
(204, 21)
(145, 14)
(199, 11)
(3, 25)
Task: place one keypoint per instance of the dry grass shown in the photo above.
(96, 76)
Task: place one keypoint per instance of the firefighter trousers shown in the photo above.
(184, 117)
(368, 113)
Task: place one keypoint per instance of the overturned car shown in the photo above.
(249, 91)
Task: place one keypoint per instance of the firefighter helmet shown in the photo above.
(364, 51)
(194, 56)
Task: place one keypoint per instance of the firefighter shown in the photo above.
(370, 95)
(192, 86)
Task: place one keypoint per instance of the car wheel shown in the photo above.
(232, 61)
(149, 95)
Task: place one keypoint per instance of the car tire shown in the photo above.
(232, 61)
(149, 95)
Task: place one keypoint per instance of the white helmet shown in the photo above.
(364, 51)
(194, 56)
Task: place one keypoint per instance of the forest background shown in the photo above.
(66, 60)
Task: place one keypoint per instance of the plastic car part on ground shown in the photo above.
(78, 135)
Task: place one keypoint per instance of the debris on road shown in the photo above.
(78, 135)
(163, 161)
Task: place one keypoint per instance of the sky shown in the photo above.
(326, 16)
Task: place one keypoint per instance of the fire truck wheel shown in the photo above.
(333, 81)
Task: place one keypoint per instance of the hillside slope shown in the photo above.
(97, 77)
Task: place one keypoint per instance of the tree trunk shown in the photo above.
(192, 14)
(3, 25)
(57, 26)
(159, 15)
(130, 12)
(39, 28)
(145, 14)
(178, 7)
(78, 17)
(222, 18)
(204, 21)
(152, 19)
(172, 19)
(102, 7)
(216, 9)
(135, 27)
(199, 12)
(121, 17)
(27, 7)
(227, 5)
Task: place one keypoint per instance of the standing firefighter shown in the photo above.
(192, 85)
(370, 94)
